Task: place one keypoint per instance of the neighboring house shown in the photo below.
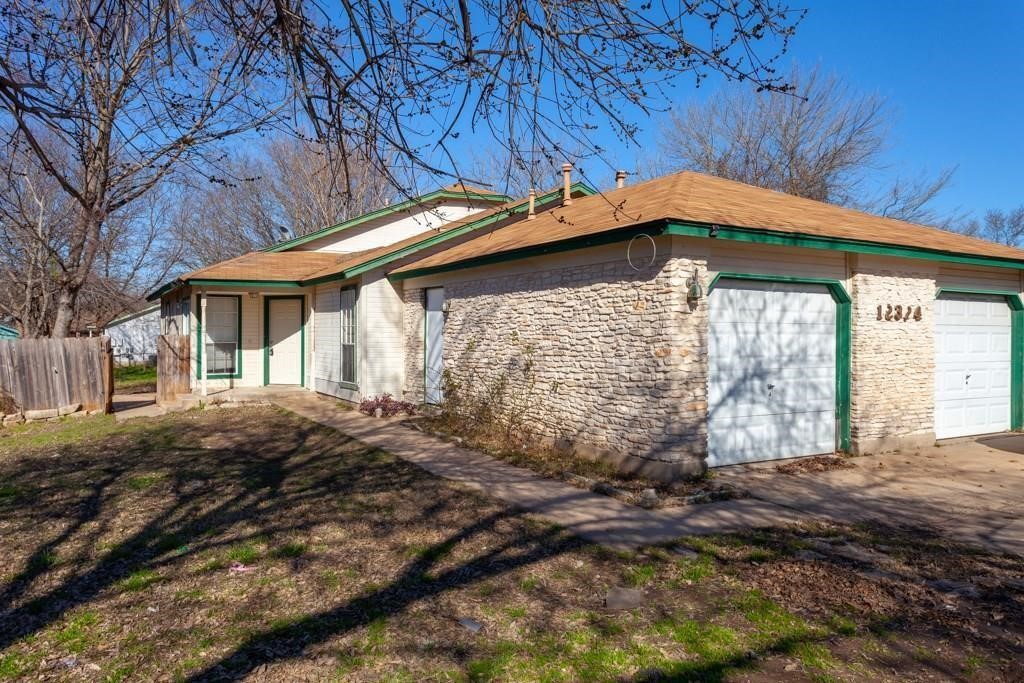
(133, 336)
(8, 332)
(672, 325)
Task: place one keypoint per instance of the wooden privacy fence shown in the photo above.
(58, 374)
(172, 367)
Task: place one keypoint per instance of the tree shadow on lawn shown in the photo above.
(177, 499)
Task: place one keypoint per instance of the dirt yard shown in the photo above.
(248, 543)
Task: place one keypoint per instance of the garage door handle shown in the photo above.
(771, 387)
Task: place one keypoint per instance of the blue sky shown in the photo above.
(954, 74)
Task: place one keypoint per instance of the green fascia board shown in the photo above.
(243, 283)
(844, 336)
(761, 236)
(592, 240)
(1016, 305)
(199, 341)
(164, 289)
(576, 189)
(386, 211)
(170, 286)
(302, 336)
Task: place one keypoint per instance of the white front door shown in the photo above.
(771, 371)
(972, 365)
(433, 336)
(284, 341)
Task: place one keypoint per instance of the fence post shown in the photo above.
(107, 368)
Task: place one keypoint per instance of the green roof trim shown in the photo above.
(576, 189)
(719, 232)
(387, 211)
(789, 239)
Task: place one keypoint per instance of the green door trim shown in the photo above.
(302, 336)
(200, 341)
(844, 324)
(1013, 300)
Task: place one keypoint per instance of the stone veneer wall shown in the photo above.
(619, 356)
(414, 349)
(893, 374)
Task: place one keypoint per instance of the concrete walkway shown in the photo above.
(971, 490)
(594, 517)
(131, 406)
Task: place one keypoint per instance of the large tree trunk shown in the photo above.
(65, 311)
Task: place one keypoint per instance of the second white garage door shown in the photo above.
(771, 371)
(972, 365)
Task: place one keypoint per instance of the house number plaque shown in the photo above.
(899, 312)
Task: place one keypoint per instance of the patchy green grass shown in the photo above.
(139, 580)
(79, 632)
(145, 481)
(134, 379)
(291, 549)
(287, 552)
(244, 553)
(640, 575)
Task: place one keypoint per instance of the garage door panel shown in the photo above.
(771, 385)
(972, 365)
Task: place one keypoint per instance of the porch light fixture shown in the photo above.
(694, 290)
(446, 308)
(713, 232)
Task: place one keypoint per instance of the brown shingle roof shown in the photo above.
(689, 196)
(285, 266)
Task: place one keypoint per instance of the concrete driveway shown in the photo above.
(972, 490)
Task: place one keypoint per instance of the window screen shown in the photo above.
(348, 335)
(221, 351)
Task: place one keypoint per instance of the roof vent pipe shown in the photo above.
(620, 179)
(566, 184)
(533, 211)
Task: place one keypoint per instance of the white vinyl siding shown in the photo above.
(327, 354)
(762, 259)
(974, 277)
(390, 229)
(381, 338)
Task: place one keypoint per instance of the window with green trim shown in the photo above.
(348, 332)
(222, 342)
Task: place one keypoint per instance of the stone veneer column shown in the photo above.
(893, 364)
(413, 321)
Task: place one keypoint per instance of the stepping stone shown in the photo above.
(471, 625)
(619, 598)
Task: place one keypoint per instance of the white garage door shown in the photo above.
(771, 371)
(972, 365)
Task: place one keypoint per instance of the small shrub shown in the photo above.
(7, 403)
(387, 405)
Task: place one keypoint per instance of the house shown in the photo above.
(133, 336)
(318, 311)
(8, 332)
(687, 322)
